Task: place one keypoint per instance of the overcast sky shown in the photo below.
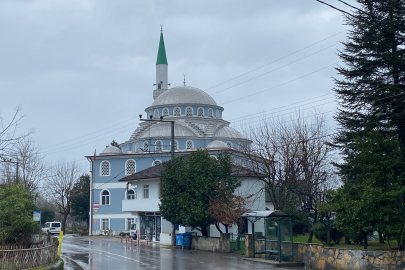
(84, 70)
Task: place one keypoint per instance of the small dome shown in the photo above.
(217, 145)
(111, 150)
(184, 95)
(228, 132)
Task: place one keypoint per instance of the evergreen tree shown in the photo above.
(114, 143)
(371, 91)
(189, 182)
(81, 199)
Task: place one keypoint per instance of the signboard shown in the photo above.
(96, 205)
(37, 215)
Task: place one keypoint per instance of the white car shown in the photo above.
(51, 228)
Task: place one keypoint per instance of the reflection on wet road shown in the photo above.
(108, 253)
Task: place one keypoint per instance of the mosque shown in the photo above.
(125, 186)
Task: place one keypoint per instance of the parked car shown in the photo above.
(51, 227)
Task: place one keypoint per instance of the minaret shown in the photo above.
(161, 69)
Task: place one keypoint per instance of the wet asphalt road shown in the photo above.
(109, 253)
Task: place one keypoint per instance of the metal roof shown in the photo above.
(264, 214)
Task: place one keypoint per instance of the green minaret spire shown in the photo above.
(161, 57)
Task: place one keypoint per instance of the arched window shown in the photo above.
(136, 148)
(177, 111)
(189, 111)
(145, 146)
(241, 147)
(189, 145)
(150, 113)
(210, 112)
(200, 112)
(131, 194)
(217, 113)
(229, 144)
(156, 162)
(105, 197)
(158, 146)
(165, 112)
(156, 113)
(105, 168)
(176, 145)
(130, 167)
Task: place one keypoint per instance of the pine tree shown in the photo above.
(371, 92)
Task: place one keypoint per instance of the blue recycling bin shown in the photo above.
(183, 239)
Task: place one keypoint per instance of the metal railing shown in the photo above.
(237, 242)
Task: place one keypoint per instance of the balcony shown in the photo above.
(140, 205)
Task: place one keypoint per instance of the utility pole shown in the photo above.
(172, 154)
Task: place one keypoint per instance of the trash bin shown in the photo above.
(183, 239)
(179, 239)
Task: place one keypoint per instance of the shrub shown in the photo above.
(16, 209)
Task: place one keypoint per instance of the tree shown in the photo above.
(187, 185)
(59, 188)
(16, 222)
(81, 199)
(47, 215)
(226, 207)
(114, 143)
(373, 196)
(32, 167)
(293, 159)
(372, 83)
(8, 134)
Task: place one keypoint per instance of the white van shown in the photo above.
(51, 228)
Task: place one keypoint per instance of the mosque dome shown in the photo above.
(184, 95)
(164, 130)
(111, 150)
(215, 145)
(228, 132)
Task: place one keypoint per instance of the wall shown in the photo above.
(214, 244)
(316, 256)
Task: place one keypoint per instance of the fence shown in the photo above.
(40, 254)
(237, 242)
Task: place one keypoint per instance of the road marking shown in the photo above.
(79, 264)
(142, 263)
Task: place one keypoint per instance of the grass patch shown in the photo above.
(372, 245)
(304, 239)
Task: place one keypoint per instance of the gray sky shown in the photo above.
(84, 70)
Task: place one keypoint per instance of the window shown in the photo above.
(156, 113)
(210, 113)
(105, 197)
(189, 111)
(158, 146)
(145, 191)
(177, 111)
(165, 112)
(136, 148)
(105, 168)
(189, 145)
(217, 113)
(240, 147)
(176, 145)
(130, 167)
(145, 147)
(156, 162)
(129, 222)
(229, 144)
(200, 112)
(131, 195)
(105, 224)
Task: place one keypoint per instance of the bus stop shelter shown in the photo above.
(278, 236)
